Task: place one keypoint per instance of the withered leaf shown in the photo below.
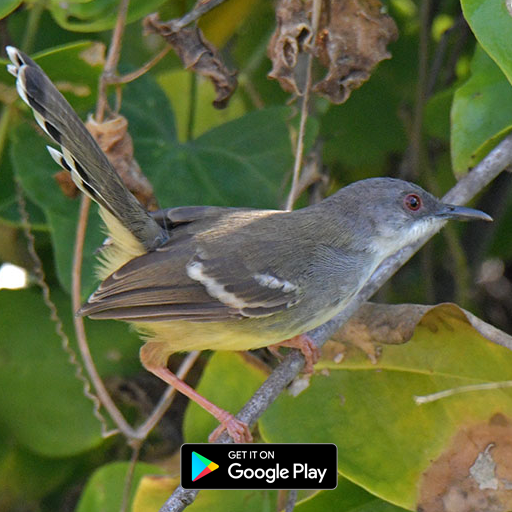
(66, 184)
(375, 324)
(197, 54)
(113, 138)
(474, 472)
(351, 45)
(351, 40)
(291, 38)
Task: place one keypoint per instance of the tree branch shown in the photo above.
(496, 161)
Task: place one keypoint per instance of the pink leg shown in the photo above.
(306, 345)
(237, 429)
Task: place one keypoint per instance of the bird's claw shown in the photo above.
(237, 430)
(306, 345)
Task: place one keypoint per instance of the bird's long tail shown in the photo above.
(81, 155)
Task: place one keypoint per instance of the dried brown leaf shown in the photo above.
(113, 138)
(197, 54)
(351, 45)
(291, 38)
(66, 184)
(352, 39)
(376, 324)
(474, 473)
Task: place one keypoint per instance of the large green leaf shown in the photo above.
(153, 491)
(491, 23)
(347, 497)
(7, 6)
(206, 116)
(385, 441)
(481, 113)
(239, 163)
(45, 407)
(27, 477)
(104, 490)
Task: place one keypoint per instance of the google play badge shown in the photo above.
(201, 466)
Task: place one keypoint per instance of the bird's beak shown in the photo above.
(451, 211)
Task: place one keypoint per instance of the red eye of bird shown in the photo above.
(413, 202)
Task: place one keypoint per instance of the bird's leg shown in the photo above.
(237, 429)
(305, 344)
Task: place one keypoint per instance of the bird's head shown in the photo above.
(390, 214)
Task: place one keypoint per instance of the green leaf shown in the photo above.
(481, 113)
(7, 6)
(491, 22)
(104, 490)
(97, 15)
(45, 407)
(347, 497)
(364, 130)
(218, 382)
(240, 163)
(9, 209)
(385, 441)
(248, 501)
(27, 477)
(78, 82)
(154, 491)
(206, 117)
(220, 24)
(437, 114)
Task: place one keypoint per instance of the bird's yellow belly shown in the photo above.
(236, 334)
(180, 335)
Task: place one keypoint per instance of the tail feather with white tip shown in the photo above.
(80, 155)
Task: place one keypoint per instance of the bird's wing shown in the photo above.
(193, 278)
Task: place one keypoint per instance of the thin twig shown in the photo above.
(114, 53)
(130, 77)
(100, 388)
(128, 479)
(304, 111)
(433, 397)
(496, 161)
(199, 9)
(291, 501)
(38, 272)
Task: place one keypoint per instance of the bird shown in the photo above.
(225, 278)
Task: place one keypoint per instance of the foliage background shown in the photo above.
(427, 115)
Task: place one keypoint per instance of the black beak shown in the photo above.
(451, 211)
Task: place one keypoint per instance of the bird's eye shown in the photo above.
(413, 202)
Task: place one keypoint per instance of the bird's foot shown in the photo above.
(237, 429)
(306, 345)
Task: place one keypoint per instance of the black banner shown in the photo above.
(259, 466)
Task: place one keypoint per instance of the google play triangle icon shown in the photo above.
(201, 466)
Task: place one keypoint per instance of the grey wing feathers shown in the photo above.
(154, 287)
(81, 155)
(178, 281)
(252, 293)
